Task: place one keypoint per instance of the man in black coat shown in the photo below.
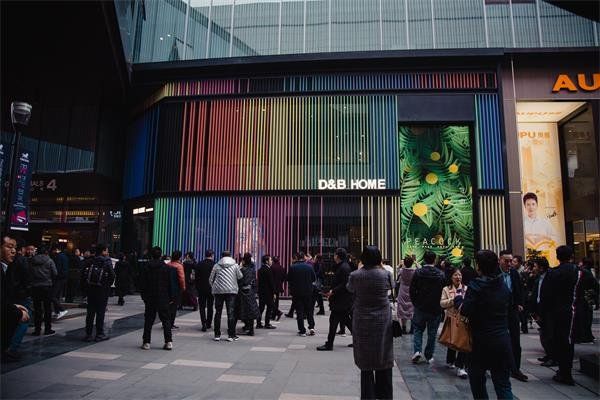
(558, 307)
(97, 278)
(467, 271)
(300, 278)
(512, 280)
(340, 299)
(279, 276)
(205, 297)
(266, 291)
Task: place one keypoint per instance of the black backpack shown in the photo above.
(95, 273)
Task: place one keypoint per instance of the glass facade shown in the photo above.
(169, 30)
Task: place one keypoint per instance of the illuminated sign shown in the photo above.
(564, 82)
(352, 184)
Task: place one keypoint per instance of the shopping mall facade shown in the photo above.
(286, 125)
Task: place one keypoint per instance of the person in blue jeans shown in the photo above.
(425, 293)
(486, 304)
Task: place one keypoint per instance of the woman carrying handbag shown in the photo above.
(454, 359)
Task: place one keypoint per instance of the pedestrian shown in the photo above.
(300, 279)
(467, 271)
(425, 293)
(372, 325)
(158, 293)
(60, 281)
(75, 263)
(266, 291)
(585, 303)
(486, 304)
(123, 278)
(279, 276)
(512, 280)
(224, 283)
(19, 292)
(558, 302)
(541, 267)
(190, 296)
(246, 306)
(454, 359)
(42, 272)
(179, 284)
(340, 299)
(405, 308)
(205, 297)
(318, 285)
(97, 278)
(517, 265)
(12, 314)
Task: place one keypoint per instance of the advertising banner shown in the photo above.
(2, 185)
(19, 215)
(248, 237)
(541, 182)
(436, 193)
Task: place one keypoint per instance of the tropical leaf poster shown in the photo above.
(436, 194)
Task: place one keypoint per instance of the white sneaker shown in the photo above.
(217, 338)
(168, 346)
(301, 334)
(416, 358)
(229, 339)
(461, 373)
(62, 314)
(430, 361)
(146, 346)
(450, 366)
(311, 332)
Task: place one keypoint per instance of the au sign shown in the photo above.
(564, 82)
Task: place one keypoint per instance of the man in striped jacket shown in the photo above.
(223, 281)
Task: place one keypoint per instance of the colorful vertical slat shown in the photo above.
(492, 222)
(490, 166)
(192, 159)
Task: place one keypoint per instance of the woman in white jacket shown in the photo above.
(454, 360)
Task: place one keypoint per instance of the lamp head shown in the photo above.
(20, 112)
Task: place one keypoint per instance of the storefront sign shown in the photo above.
(564, 82)
(543, 209)
(19, 215)
(352, 184)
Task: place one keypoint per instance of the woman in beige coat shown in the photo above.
(454, 360)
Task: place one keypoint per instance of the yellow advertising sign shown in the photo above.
(543, 208)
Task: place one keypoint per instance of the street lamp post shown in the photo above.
(20, 112)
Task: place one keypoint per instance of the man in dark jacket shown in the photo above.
(425, 293)
(205, 297)
(266, 291)
(300, 278)
(340, 299)
(467, 271)
(60, 282)
(486, 305)
(157, 293)
(42, 272)
(558, 308)
(19, 288)
(512, 280)
(279, 276)
(541, 268)
(97, 278)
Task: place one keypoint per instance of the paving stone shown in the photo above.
(269, 349)
(98, 356)
(154, 366)
(241, 378)
(204, 364)
(94, 374)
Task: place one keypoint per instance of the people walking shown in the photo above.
(205, 297)
(454, 359)
(279, 276)
(300, 278)
(425, 293)
(96, 279)
(190, 296)
(266, 291)
(19, 292)
(340, 299)
(223, 280)
(179, 284)
(61, 261)
(486, 305)
(405, 308)
(42, 272)
(123, 278)
(318, 285)
(372, 326)
(512, 280)
(541, 267)
(158, 292)
(246, 306)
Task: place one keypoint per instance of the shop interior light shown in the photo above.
(545, 111)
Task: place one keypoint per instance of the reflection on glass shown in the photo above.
(393, 25)
(354, 25)
(317, 26)
(255, 27)
(292, 27)
(220, 29)
(459, 24)
(419, 25)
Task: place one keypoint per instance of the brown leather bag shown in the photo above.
(456, 333)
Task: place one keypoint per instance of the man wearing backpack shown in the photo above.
(97, 277)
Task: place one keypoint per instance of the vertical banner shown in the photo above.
(19, 215)
(248, 237)
(2, 185)
(541, 181)
(436, 197)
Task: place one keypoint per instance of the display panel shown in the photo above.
(436, 193)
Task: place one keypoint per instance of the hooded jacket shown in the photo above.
(426, 289)
(224, 276)
(42, 270)
(157, 283)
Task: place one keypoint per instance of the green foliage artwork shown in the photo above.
(436, 193)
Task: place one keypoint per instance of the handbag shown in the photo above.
(456, 333)
(396, 327)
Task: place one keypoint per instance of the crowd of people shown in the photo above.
(501, 296)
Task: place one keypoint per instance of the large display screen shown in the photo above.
(542, 200)
(436, 193)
